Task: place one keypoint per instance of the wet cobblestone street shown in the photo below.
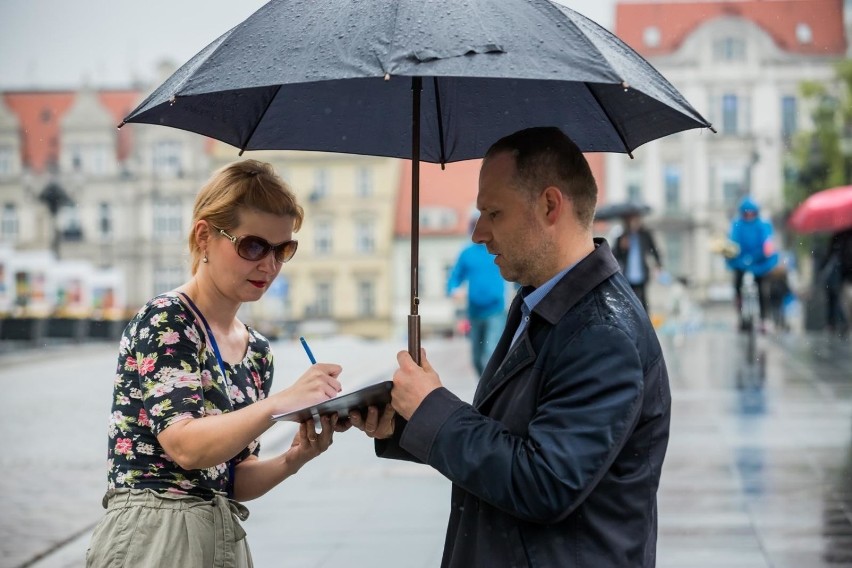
(758, 472)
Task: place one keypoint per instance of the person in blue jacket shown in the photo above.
(755, 251)
(486, 298)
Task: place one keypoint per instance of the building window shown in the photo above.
(76, 158)
(729, 49)
(166, 160)
(323, 230)
(788, 117)
(804, 34)
(9, 223)
(732, 192)
(89, 158)
(672, 186)
(104, 221)
(321, 184)
(167, 278)
(731, 183)
(729, 114)
(7, 161)
(633, 179)
(365, 240)
(674, 253)
(651, 36)
(438, 218)
(366, 299)
(733, 111)
(167, 219)
(279, 290)
(322, 299)
(70, 225)
(364, 182)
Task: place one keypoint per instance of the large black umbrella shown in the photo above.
(618, 210)
(435, 80)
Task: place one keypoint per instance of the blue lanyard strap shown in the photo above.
(231, 463)
(212, 339)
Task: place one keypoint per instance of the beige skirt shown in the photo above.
(144, 528)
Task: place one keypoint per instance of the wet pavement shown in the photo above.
(758, 473)
(759, 468)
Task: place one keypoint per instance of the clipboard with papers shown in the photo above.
(377, 394)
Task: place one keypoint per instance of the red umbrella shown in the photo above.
(828, 210)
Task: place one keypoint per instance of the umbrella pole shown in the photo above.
(414, 317)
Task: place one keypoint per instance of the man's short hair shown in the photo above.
(545, 156)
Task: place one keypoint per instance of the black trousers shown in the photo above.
(761, 291)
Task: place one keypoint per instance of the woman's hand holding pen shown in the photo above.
(319, 383)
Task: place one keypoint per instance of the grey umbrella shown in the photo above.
(435, 80)
(609, 211)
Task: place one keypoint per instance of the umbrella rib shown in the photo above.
(611, 121)
(440, 121)
(259, 120)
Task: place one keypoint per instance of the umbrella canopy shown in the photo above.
(330, 75)
(438, 81)
(829, 210)
(611, 211)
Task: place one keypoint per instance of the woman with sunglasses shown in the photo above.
(192, 393)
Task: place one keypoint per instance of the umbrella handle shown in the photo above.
(414, 337)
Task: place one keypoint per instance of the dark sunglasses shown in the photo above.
(255, 248)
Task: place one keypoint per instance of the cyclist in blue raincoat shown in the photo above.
(756, 251)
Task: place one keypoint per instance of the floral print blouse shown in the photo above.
(168, 372)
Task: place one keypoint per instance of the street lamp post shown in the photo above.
(55, 197)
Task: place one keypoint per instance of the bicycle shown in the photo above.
(749, 301)
(752, 371)
(749, 304)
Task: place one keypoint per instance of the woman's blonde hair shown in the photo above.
(248, 184)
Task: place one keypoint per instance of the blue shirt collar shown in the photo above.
(531, 299)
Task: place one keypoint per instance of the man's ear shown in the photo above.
(554, 203)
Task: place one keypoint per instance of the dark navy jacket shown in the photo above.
(557, 462)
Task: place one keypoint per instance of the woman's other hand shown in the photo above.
(308, 443)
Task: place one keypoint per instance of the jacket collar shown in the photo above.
(504, 364)
(598, 266)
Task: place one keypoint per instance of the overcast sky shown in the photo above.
(109, 43)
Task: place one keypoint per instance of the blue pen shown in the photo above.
(317, 422)
(308, 350)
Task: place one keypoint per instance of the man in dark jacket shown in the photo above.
(557, 461)
(632, 249)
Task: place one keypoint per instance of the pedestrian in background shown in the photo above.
(830, 278)
(779, 290)
(192, 393)
(557, 462)
(485, 298)
(840, 253)
(633, 248)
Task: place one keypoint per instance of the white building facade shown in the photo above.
(736, 73)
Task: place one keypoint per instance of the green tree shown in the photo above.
(822, 157)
